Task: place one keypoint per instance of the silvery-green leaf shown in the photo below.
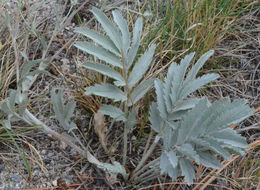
(187, 170)
(100, 53)
(164, 163)
(122, 24)
(108, 26)
(230, 137)
(99, 39)
(140, 91)
(113, 112)
(155, 118)
(105, 70)
(209, 160)
(234, 112)
(7, 122)
(131, 118)
(195, 69)
(176, 80)
(107, 91)
(177, 115)
(119, 83)
(191, 121)
(12, 100)
(188, 150)
(173, 172)
(197, 83)
(141, 66)
(167, 86)
(186, 104)
(173, 159)
(216, 147)
(28, 66)
(115, 168)
(160, 99)
(63, 112)
(138, 28)
(234, 150)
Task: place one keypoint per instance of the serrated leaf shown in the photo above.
(113, 112)
(28, 66)
(138, 28)
(185, 104)
(108, 26)
(188, 150)
(230, 137)
(107, 91)
(191, 122)
(216, 147)
(160, 98)
(100, 53)
(115, 168)
(164, 163)
(140, 91)
(234, 112)
(131, 118)
(121, 23)
(195, 69)
(155, 119)
(178, 77)
(173, 159)
(208, 160)
(99, 39)
(141, 66)
(197, 83)
(63, 112)
(187, 171)
(105, 70)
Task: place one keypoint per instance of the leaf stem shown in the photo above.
(145, 157)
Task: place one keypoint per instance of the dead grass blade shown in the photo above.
(207, 180)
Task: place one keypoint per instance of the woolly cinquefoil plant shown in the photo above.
(118, 51)
(192, 130)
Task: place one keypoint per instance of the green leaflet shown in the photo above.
(141, 66)
(140, 91)
(138, 28)
(196, 84)
(199, 64)
(99, 39)
(188, 151)
(160, 99)
(113, 112)
(209, 160)
(107, 91)
(187, 170)
(177, 80)
(63, 112)
(100, 53)
(114, 168)
(121, 23)
(155, 119)
(105, 70)
(108, 26)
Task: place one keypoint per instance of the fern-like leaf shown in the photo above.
(99, 39)
(100, 53)
(113, 112)
(105, 70)
(107, 91)
(108, 26)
